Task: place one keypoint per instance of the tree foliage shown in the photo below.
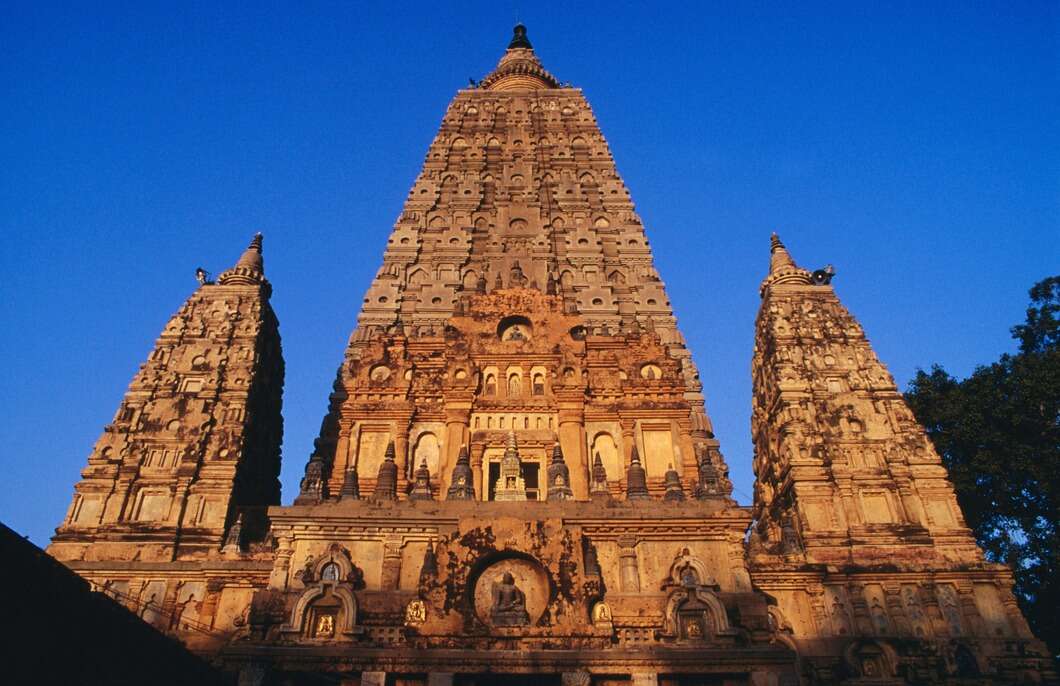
(998, 433)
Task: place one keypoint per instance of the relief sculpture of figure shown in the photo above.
(509, 603)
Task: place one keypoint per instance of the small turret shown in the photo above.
(636, 479)
(674, 491)
(429, 568)
(709, 483)
(463, 484)
(386, 483)
(558, 477)
(421, 487)
(351, 486)
(510, 484)
(598, 489)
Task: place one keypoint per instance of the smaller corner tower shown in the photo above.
(192, 457)
(844, 472)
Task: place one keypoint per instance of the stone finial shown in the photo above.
(249, 269)
(463, 485)
(421, 487)
(674, 491)
(351, 486)
(519, 39)
(386, 483)
(782, 268)
(598, 488)
(636, 478)
(558, 477)
(519, 68)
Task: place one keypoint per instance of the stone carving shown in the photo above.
(510, 484)
(509, 603)
(415, 613)
(518, 312)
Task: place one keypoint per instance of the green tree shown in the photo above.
(998, 433)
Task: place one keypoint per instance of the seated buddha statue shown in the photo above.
(509, 603)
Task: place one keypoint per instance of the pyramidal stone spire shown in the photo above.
(674, 491)
(559, 477)
(197, 436)
(462, 486)
(386, 483)
(598, 488)
(782, 268)
(421, 487)
(636, 479)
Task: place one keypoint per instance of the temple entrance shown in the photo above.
(507, 680)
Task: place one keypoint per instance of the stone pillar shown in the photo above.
(850, 508)
(892, 592)
(401, 454)
(391, 577)
(572, 442)
(648, 679)
(862, 619)
(741, 575)
(440, 679)
(280, 568)
(212, 597)
(341, 462)
(973, 621)
(628, 571)
(481, 488)
(911, 503)
(929, 597)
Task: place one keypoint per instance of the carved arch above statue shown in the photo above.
(694, 614)
(687, 570)
(324, 611)
(871, 659)
(327, 608)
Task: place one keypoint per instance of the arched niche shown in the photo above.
(870, 659)
(470, 280)
(514, 328)
(694, 614)
(418, 278)
(427, 449)
(604, 445)
(327, 608)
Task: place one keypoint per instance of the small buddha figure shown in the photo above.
(509, 603)
(325, 626)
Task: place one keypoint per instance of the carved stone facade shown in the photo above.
(517, 480)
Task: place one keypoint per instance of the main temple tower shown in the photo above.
(516, 480)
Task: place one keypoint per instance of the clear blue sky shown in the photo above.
(913, 145)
